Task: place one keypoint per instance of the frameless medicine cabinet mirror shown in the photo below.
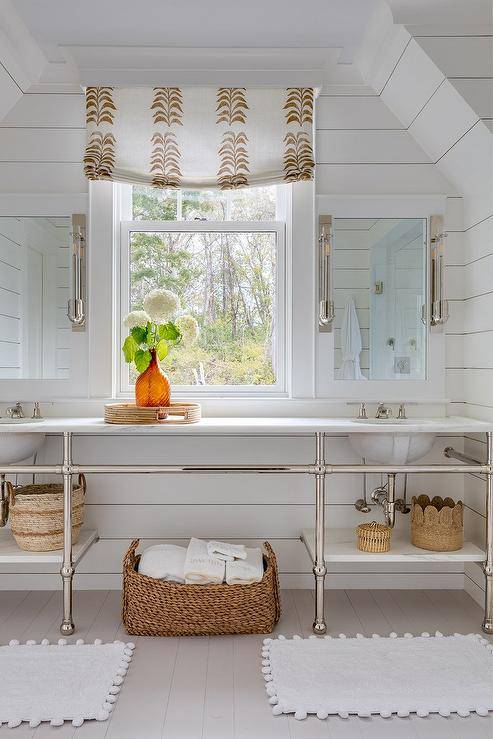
(379, 288)
(41, 283)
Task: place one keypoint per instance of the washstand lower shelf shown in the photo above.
(10, 553)
(340, 546)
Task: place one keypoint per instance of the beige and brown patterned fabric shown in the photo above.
(199, 137)
(233, 153)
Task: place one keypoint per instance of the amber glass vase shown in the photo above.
(152, 387)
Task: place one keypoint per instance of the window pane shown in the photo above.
(253, 204)
(210, 205)
(227, 281)
(153, 204)
(249, 204)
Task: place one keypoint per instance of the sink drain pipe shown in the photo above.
(389, 502)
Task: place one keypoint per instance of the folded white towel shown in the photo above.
(200, 568)
(227, 552)
(246, 571)
(164, 562)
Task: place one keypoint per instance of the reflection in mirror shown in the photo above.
(35, 333)
(379, 274)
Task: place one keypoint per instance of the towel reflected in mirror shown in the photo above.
(351, 344)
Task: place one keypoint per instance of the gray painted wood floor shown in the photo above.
(211, 688)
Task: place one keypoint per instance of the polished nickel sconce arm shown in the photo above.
(326, 310)
(76, 308)
(439, 310)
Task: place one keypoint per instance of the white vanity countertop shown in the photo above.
(255, 425)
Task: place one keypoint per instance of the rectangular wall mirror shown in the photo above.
(379, 286)
(35, 276)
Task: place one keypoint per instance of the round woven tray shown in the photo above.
(129, 413)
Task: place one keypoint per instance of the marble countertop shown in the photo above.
(255, 425)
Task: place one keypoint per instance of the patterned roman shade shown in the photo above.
(225, 137)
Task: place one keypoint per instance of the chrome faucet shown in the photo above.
(383, 411)
(16, 412)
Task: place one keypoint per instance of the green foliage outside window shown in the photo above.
(226, 280)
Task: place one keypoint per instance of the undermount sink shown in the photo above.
(392, 448)
(15, 447)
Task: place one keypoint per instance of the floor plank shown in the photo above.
(218, 721)
(340, 616)
(369, 613)
(21, 618)
(187, 694)
(211, 688)
(9, 600)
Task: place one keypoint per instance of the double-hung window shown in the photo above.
(224, 254)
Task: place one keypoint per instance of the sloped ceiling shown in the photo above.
(415, 77)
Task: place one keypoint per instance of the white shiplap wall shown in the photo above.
(362, 149)
(442, 90)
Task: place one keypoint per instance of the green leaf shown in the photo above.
(149, 334)
(168, 331)
(139, 334)
(162, 349)
(142, 359)
(129, 348)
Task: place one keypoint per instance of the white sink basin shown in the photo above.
(15, 447)
(399, 448)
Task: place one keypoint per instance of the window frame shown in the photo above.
(127, 227)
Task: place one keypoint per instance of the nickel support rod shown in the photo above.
(324, 469)
(67, 569)
(319, 568)
(452, 453)
(488, 563)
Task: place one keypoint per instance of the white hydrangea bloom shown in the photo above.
(136, 318)
(189, 329)
(161, 304)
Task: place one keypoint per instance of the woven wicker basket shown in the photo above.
(159, 608)
(374, 537)
(36, 515)
(437, 525)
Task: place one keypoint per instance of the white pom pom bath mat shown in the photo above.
(60, 682)
(384, 676)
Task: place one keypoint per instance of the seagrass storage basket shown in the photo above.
(437, 525)
(159, 608)
(374, 537)
(36, 515)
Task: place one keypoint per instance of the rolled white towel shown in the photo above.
(164, 562)
(246, 571)
(227, 552)
(200, 568)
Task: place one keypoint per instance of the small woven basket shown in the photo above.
(154, 607)
(36, 515)
(374, 537)
(437, 525)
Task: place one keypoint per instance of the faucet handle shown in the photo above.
(402, 412)
(362, 414)
(36, 410)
